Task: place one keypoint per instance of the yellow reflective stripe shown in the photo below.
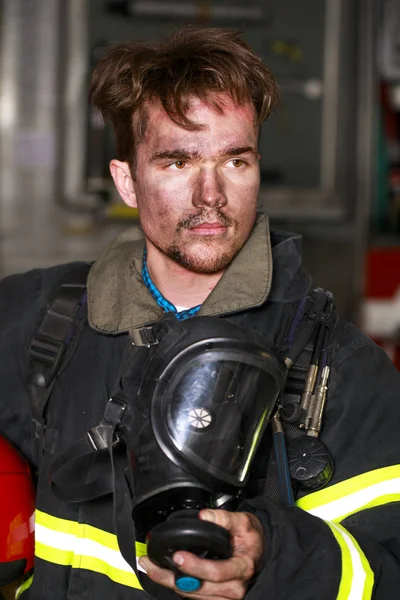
(83, 546)
(357, 580)
(364, 491)
(141, 549)
(99, 566)
(81, 530)
(54, 555)
(63, 525)
(24, 586)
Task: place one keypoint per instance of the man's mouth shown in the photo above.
(215, 228)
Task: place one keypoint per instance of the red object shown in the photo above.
(383, 283)
(17, 506)
(383, 272)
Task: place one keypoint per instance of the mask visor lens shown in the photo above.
(217, 410)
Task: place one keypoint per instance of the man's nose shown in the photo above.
(209, 190)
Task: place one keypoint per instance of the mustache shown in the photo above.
(204, 216)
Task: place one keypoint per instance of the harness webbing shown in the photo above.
(53, 344)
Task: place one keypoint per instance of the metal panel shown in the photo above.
(29, 98)
(8, 97)
(75, 99)
(29, 109)
(368, 22)
(330, 117)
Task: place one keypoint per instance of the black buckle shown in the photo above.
(114, 410)
(44, 356)
(100, 437)
(145, 336)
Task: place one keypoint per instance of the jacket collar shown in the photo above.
(290, 282)
(119, 301)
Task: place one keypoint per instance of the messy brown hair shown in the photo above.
(190, 62)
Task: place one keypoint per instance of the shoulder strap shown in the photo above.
(54, 342)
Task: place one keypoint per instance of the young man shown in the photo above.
(186, 114)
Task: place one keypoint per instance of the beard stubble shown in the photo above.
(207, 265)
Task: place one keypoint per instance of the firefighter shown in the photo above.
(81, 356)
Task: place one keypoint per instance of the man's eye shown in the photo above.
(179, 164)
(237, 162)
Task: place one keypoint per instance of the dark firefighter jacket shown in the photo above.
(341, 542)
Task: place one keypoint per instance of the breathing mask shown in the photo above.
(207, 394)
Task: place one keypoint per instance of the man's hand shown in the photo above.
(222, 579)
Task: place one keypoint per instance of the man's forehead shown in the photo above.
(162, 130)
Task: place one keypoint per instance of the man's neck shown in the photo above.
(178, 285)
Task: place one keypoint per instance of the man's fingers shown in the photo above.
(162, 576)
(233, 589)
(240, 567)
(225, 579)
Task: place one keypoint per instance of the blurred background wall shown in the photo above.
(330, 155)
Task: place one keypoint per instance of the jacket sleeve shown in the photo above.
(343, 542)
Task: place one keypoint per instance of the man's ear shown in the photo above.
(121, 174)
